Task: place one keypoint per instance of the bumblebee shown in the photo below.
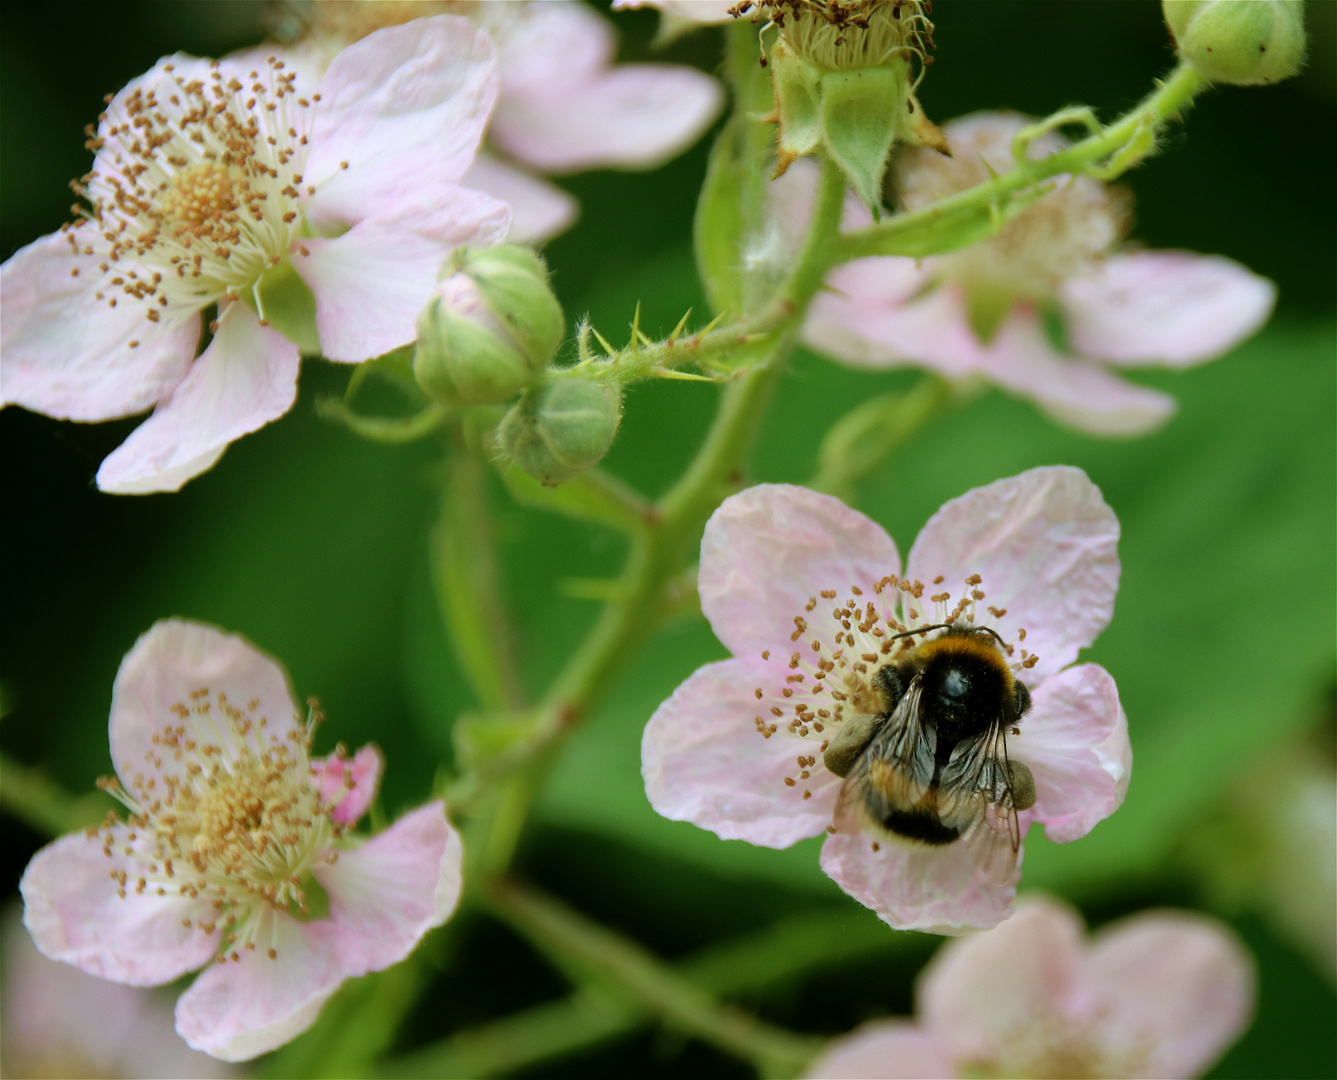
(933, 766)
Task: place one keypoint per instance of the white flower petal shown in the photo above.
(704, 761)
(154, 686)
(68, 354)
(1075, 742)
(1165, 307)
(967, 884)
(387, 893)
(550, 46)
(883, 1050)
(73, 911)
(242, 1008)
(404, 99)
(1074, 391)
(539, 210)
(1175, 989)
(372, 283)
(1045, 543)
(770, 549)
(633, 116)
(981, 995)
(244, 379)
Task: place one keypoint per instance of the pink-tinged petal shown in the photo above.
(349, 785)
(387, 893)
(1046, 545)
(1165, 307)
(1075, 741)
(372, 283)
(1073, 391)
(705, 761)
(173, 661)
(551, 46)
(883, 1050)
(698, 11)
(980, 994)
(872, 315)
(968, 884)
(539, 210)
(1175, 989)
(790, 198)
(634, 116)
(244, 379)
(770, 549)
(401, 100)
(62, 1022)
(239, 1009)
(68, 354)
(74, 913)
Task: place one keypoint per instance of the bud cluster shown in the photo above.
(489, 333)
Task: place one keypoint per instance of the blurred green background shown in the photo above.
(313, 544)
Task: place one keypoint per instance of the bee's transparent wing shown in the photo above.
(974, 787)
(902, 752)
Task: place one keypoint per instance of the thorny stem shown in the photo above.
(601, 956)
(659, 552)
(903, 233)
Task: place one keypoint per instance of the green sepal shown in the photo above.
(289, 306)
(798, 98)
(860, 109)
(316, 901)
(985, 311)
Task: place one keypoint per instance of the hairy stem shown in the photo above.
(465, 573)
(34, 798)
(915, 233)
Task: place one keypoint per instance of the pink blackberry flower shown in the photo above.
(810, 598)
(1161, 993)
(238, 852)
(215, 179)
(979, 312)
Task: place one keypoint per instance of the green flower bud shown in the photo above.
(843, 84)
(561, 429)
(1244, 42)
(492, 326)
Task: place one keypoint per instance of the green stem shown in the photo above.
(915, 233)
(585, 947)
(661, 550)
(465, 575)
(34, 798)
(871, 432)
(757, 964)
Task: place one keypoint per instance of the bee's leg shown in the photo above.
(1022, 784)
(1023, 700)
(892, 684)
(850, 741)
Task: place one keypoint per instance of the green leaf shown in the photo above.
(717, 229)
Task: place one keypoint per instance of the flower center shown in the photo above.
(830, 677)
(1064, 1046)
(841, 34)
(195, 190)
(1061, 235)
(232, 817)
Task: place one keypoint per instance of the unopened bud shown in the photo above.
(562, 429)
(491, 327)
(1244, 42)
